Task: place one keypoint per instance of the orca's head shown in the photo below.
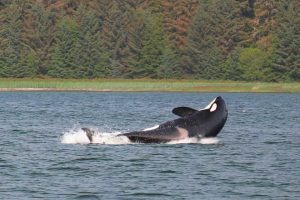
(214, 117)
(217, 106)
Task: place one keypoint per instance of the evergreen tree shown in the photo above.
(92, 59)
(156, 53)
(202, 57)
(38, 33)
(115, 34)
(176, 18)
(216, 30)
(64, 55)
(248, 64)
(16, 58)
(210, 39)
(133, 45)
(232, 70)
(287, 63)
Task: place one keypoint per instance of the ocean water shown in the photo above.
(45, 155)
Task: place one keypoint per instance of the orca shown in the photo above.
(204, 123)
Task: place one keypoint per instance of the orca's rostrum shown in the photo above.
(204, 123)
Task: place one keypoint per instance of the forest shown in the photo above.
(246, 40)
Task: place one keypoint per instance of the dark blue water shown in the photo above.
(257, 156)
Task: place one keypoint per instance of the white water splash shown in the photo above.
(209, 141)
(195, 140)
(74, 136)
(78, 136)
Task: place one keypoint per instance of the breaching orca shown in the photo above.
(207, 122)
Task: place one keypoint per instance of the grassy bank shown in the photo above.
(140, 85)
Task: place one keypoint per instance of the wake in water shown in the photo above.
(78, 136)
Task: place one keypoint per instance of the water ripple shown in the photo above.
(256, 156)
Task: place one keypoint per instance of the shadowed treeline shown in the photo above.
(233, 39)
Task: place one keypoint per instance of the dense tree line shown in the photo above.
(252, 40)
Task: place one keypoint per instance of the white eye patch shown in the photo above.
(213, 107)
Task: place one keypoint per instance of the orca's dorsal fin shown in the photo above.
(184, 111)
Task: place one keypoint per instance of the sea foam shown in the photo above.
(78, 136)
(196, 140)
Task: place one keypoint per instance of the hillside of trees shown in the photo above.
(249, 40)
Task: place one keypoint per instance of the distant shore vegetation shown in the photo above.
(239, 40)
(143, 85)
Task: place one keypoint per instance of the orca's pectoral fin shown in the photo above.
(183, 111)
(89, 133)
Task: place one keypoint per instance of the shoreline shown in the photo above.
(133, 90)
(143, 85)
